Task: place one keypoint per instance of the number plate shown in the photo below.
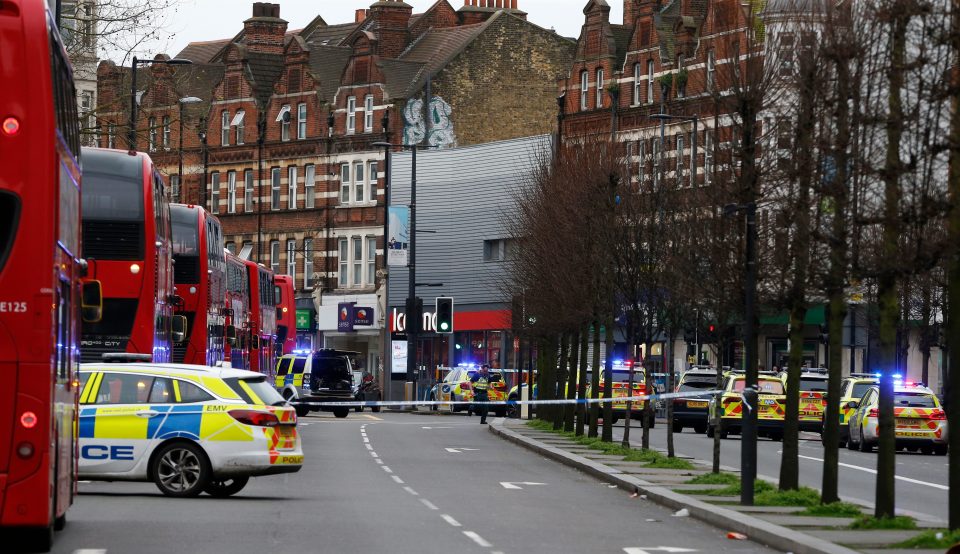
(908, 422)
(769, 402)
(696, 404)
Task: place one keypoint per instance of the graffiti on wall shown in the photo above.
(440, 132)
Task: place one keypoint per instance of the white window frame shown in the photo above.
(371, 261)
(599, 88)
(215, 192)
(292, 259)
(651, 69)
(309, 182)
(344, 184)
(238, 122)
(151, 134)
(292, 187)
(351, 115)
(225, 128)
(308, 264)
(275, 188)
(111, 134)
(711, 69)
(584, 90)
(284, 123)
(368, 113)
(248, 190)
(343, 261)
(301, 120)
(372, 181)
(175, 187)
(680, 159)
(357, 259)
(274, 258)
(166, 132)
(707, 158)
(231, 192)
(637, 90)
(358, 177)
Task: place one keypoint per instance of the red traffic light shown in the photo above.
(711, 328)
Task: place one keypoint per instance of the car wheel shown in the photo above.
(677, 427)
(776, 436)
(376, 409)
(940, 450)
(700, 429)
(851, 445)
(181, 470)
(341, 412)
(864, 447)
(711, 431)
(926, 450)
(222, 488)
(302, 411)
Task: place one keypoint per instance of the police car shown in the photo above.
(852, 389)
(725, 411)
(920, 421)
(187, 428)
(813, 396)
(306, 378)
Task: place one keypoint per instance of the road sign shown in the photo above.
(516, 484)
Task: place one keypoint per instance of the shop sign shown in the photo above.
(362, 315)
(304, 320)
(345, 317)
(398, 245)
(399, 321)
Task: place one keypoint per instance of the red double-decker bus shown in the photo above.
(286, 314)
(126, 241)
(40, 271)
(263, 319)
(199, 277)
(237, 301)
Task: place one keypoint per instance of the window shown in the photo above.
(495, 250)
(711, 69)
(215, 192)
(301, 120)
(707, 158)
(357, 261)
(599, 88)
(351, 115)
(166, 132)
(248, 190)
(680, 168)
(786, 54)
(275, 188)
(371, 260)
(231, 192)
(641, 155)
(368, 113)
(292, 258)
(308, 263)
(309, 181)
(344, 183)
(344, 254)
(285, 122)
(275, 256)
(358, 181)
(584, 89)
(656, 162)
(188, 393)
(372, 180)
(175, 187)
(231, 246)
(124, 388)
(681, 85)
(152, 128)
(238, 123)
(225, 128)
(292, 187)
(636, 84)
(111, 134)
(650, 69)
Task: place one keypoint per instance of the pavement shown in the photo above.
(396, 483)
(780, 527)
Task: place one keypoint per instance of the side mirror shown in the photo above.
(232, 335)
(91, 301)
(852, 404)
(179, 329)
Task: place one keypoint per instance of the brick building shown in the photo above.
(282, 124)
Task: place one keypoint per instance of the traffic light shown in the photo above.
(414, 313)
(711, 336)
(444, 315)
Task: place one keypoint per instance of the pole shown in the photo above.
(387, 351)
(203, 186)
(748, 450)
(261, 129)
(180, 156)
(412, 324)
(132, 130)
(693, 163)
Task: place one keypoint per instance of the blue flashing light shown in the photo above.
(897, 377)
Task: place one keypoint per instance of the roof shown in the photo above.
(263, 70)
(330, 35)
(621, 39)
(430, 53)
(666, 22)
(198, 79)
(203, 52)
(327, 64)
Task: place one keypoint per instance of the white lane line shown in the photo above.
(428, 504)
(397, 479)
(90, 551)
(374, 454)
(450, 520)
(873, 471)
(387, 469)
(477, 539)
(365, 439)
(411, 491)
(369, 446)
(379, 461)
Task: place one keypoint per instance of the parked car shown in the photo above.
(324, 375)
(692, 412)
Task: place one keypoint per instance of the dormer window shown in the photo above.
(225, 128)
(283, 117)
(351, 115)
(238, 123)
(584, 89)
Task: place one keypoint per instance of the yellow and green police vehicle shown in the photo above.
(726, 409)
(920, 422)
(187, 428)
(852, 389)
(813, 397)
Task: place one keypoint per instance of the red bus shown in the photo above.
(263, 319)
(199, 277)
(40, 272)
(286, 314)
(126, 241)
(236, 347)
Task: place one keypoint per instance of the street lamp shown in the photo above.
(132, 132)
(186, 100)
(748, 448)
(202, 134)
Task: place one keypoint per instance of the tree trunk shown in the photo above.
(716, 436)
(607, 435)
(582, 410)
(789, 462)
(572, 380)
(831, 432)
(595, 384)
(669, 388)
(648, 385)
(562, 373)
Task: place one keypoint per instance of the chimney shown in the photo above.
(478, 11)
(360, 16)
(391, 19)
(263, 33)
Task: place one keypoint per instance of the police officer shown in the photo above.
(480, 383)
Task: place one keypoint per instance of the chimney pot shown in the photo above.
(361, 14)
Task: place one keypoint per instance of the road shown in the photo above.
(921, 486)
(393, 483)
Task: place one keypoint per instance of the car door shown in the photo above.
(859, 412)
(115, 423)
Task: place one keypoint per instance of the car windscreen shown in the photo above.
(908, 400)
(859, 389)
(263, 393)
(765, 386)
(331, 372)
(698, 383)
(813, 385)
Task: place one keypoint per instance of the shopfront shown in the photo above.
(352, 323)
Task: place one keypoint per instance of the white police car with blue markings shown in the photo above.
(187, 428)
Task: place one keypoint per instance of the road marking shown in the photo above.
(379, 461)
(369, 446)
(375, 418)
(374, 454)
(514, 484)
(477, 539)
(411, 491)
(365, 439)
(428, 504)
(397, 479)
(450, 520)
(90, 551)
(646, 549)
(873, 471)
(436, 427)
(387, 469)
(460, 450)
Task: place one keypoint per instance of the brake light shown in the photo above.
(874, 412)
(938, 415)
(28, 420)
(254, 417)
(464, 386)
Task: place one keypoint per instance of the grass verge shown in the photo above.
(715, 479)
(834, 509)
(932, 539)
(870, 522)
(733, 489)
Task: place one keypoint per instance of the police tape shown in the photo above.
(695, 395)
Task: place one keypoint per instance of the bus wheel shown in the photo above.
(180, 469)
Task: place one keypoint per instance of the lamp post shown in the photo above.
(187, 100)
(132, 131)
(261, 137)
(202, 134)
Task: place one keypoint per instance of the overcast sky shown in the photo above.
(200, 20)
